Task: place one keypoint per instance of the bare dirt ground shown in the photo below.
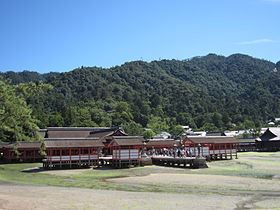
(13, 197)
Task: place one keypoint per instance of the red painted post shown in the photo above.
(79, 156)
(70, 157)
(60, 153)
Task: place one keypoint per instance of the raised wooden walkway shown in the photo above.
(190, 162)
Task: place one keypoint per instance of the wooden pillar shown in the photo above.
(89, 151)
(70, 157)
(129, 161)
(51, 153)
(225, 145)
(60, 153)
(8, 154)
(120, 165)
(220, 151)
(23, 155)
(119, 152)
(231, 150)
(80, 156)
(235, 151)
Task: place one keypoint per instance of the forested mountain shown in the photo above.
(210, 92)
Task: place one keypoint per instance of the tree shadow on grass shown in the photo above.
(33, 170)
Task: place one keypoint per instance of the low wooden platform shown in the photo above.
(190, 162)
(119, 163)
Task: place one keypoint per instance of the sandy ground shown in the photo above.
(206, 181)
(13, 197)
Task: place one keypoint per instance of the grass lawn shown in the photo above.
(251, 164)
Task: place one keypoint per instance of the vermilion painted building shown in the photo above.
(211, 147)
(126, 150)
(21, 152)
(75, 152)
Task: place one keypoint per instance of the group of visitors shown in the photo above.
(169, 152)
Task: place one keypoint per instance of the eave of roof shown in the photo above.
(212, 139)
(24, 145)
(162, 143)
(70, 143)
(127, 140)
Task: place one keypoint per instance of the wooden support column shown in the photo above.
(119, 152)
(225, 145)
(51, 154)
(235, 151)
(129, 161)
(220, 151)
(70, 157)
(23, 156)
(80, 156)
(60, 153)
(89, 151)
(231, 145)
(120, 160)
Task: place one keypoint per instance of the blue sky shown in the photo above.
(60, 35)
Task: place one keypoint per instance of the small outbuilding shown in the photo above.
(126, 150)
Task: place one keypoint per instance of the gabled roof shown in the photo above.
(271, 134)
(162, 143)
(74, 142)
(24, 145)
(74, 128)
(67, 133)
(82, 132)
(127, 141)
(211, 139)
(66, 139)
(275, 131)
(107, 132)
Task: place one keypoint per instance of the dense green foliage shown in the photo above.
(16, 121)
(211, 92)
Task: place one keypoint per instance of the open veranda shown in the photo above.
(251, 181)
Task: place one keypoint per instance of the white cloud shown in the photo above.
(257, 41)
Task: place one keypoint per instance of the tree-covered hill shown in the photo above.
(211, 92)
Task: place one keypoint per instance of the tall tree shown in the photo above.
(16, 121)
